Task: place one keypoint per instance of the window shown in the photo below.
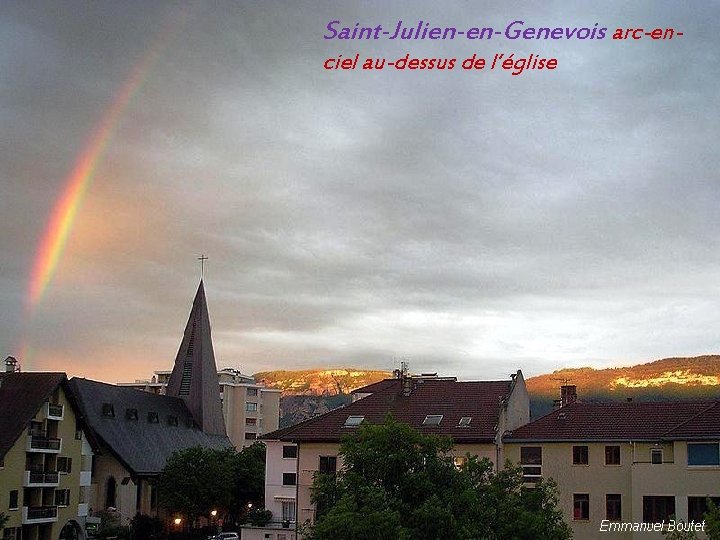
(612, 455)
(64, 464)
(703, 454)
(657, 509)
(328, 464)
(13, 500)
(289, 479)
(250, 406)
(250, 436)
(581, 506)
(251, 421)
(252, 391)
(353, 421)
(289, 451)
(108, 410)
(613, 507)
(459, 462)
(37, 429)
(697, 506)
(531, 461)
(432, 420)
(656, 457)
(110, 493)
(78, 434)
(288, 510)
(153, 418)
(131, 414)
(62, 497)
(465, 421)
(172, 420)
(580, 455)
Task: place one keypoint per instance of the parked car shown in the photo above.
(227, 536)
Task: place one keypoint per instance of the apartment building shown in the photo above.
(624, 462)
(474, 414)
(45, 458)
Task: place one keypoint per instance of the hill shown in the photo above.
(310, 392)
(667, 379)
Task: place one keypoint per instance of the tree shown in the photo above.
(196, 481)
(3, 519)
(249, 476)
(397, 483)
(712, 520)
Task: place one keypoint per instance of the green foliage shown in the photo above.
(3, 519)
(146, 527)
(110, 526)
(259, 517)
(712, 521)
(198, 480)
(249, 476)
(398, 483)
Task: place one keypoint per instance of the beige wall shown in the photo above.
(633, 479)
(308, 463)
(267, 416)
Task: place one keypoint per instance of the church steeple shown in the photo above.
(194, 377)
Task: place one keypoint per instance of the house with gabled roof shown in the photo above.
(624, 463)
(45, 457)
(474, 414)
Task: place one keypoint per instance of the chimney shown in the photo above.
(11, 364)
(568, 394)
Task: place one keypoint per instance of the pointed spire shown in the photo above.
(194, 376)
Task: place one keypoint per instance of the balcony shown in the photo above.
(41, 479)
(55, 411)
(47, 445)
(39, 514)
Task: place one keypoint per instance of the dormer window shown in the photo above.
(131, 414)
(432, 420)
(108, 410)
(465, 421)
(354, 421)
(172, 420)
(153, 418)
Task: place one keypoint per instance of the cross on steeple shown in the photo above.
(202, 260)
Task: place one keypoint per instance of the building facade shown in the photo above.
(45, 459)
(624, 466)
(474, 414)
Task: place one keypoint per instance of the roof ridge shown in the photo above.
(706, 409)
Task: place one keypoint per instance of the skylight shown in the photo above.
(465, 421)
(354, 421)
(432, 420)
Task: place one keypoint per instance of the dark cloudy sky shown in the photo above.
(472, 223)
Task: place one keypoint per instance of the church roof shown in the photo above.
(141, 429)
(194, 376)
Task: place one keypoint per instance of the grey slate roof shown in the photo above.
(141, 446)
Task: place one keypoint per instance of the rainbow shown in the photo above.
(83, 171)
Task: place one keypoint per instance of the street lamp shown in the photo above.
(177, 521)
(213, 513)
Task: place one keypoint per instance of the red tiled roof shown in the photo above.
(616, 421)
(704, 425)
(21, 396)
(479, 400)
(374, 387)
